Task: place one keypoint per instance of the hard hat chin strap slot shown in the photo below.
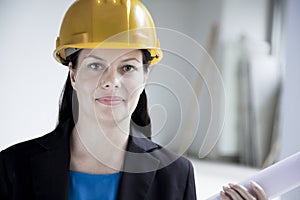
(63, 61)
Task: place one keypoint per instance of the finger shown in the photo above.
(260, 193)
(223, 196)
(242, 191)
(232, 193)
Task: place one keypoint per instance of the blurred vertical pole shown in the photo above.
(189, 123)
(290, 108)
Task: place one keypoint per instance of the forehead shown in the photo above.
(111, 55)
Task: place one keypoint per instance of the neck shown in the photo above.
(102, 144)
(114, 132)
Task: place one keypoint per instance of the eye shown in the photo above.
(96, 66)
(128, 68)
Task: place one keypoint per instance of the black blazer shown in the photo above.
(39, 169)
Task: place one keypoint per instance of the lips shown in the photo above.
(110, 100)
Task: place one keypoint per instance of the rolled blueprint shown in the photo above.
(276, 179)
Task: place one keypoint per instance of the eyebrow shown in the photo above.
(93, 56)
(129, 59)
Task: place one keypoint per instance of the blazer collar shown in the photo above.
(139, 166)
(50, 169)
(138, 142)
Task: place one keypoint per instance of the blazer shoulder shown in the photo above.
(182, 164)
(59, 136)
(166, 156)
(23, 149)
(171, 161)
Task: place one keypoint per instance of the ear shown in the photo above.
(146, 74)
(72, 75)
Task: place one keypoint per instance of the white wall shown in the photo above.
(290, 109)
(244, 17)
(30, 79)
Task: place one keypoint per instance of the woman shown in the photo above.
(100, 148)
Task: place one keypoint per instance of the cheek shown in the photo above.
(87, 81)
(134, 91)
(134, 86)
(86, 87)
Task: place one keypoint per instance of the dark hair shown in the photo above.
(68, 104)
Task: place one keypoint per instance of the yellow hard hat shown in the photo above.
(121, 24)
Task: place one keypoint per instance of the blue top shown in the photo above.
(83, 186)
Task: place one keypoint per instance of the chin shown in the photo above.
(112, 117)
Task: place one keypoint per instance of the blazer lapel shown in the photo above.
(135, 186)
(137, 177)
(50, 168)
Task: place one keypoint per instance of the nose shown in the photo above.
(110, 79)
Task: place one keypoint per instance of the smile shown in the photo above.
(110, 100)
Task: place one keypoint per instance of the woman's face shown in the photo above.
(108, 83)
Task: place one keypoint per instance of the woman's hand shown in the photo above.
(239, 192)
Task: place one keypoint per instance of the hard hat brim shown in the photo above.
(60, 53)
